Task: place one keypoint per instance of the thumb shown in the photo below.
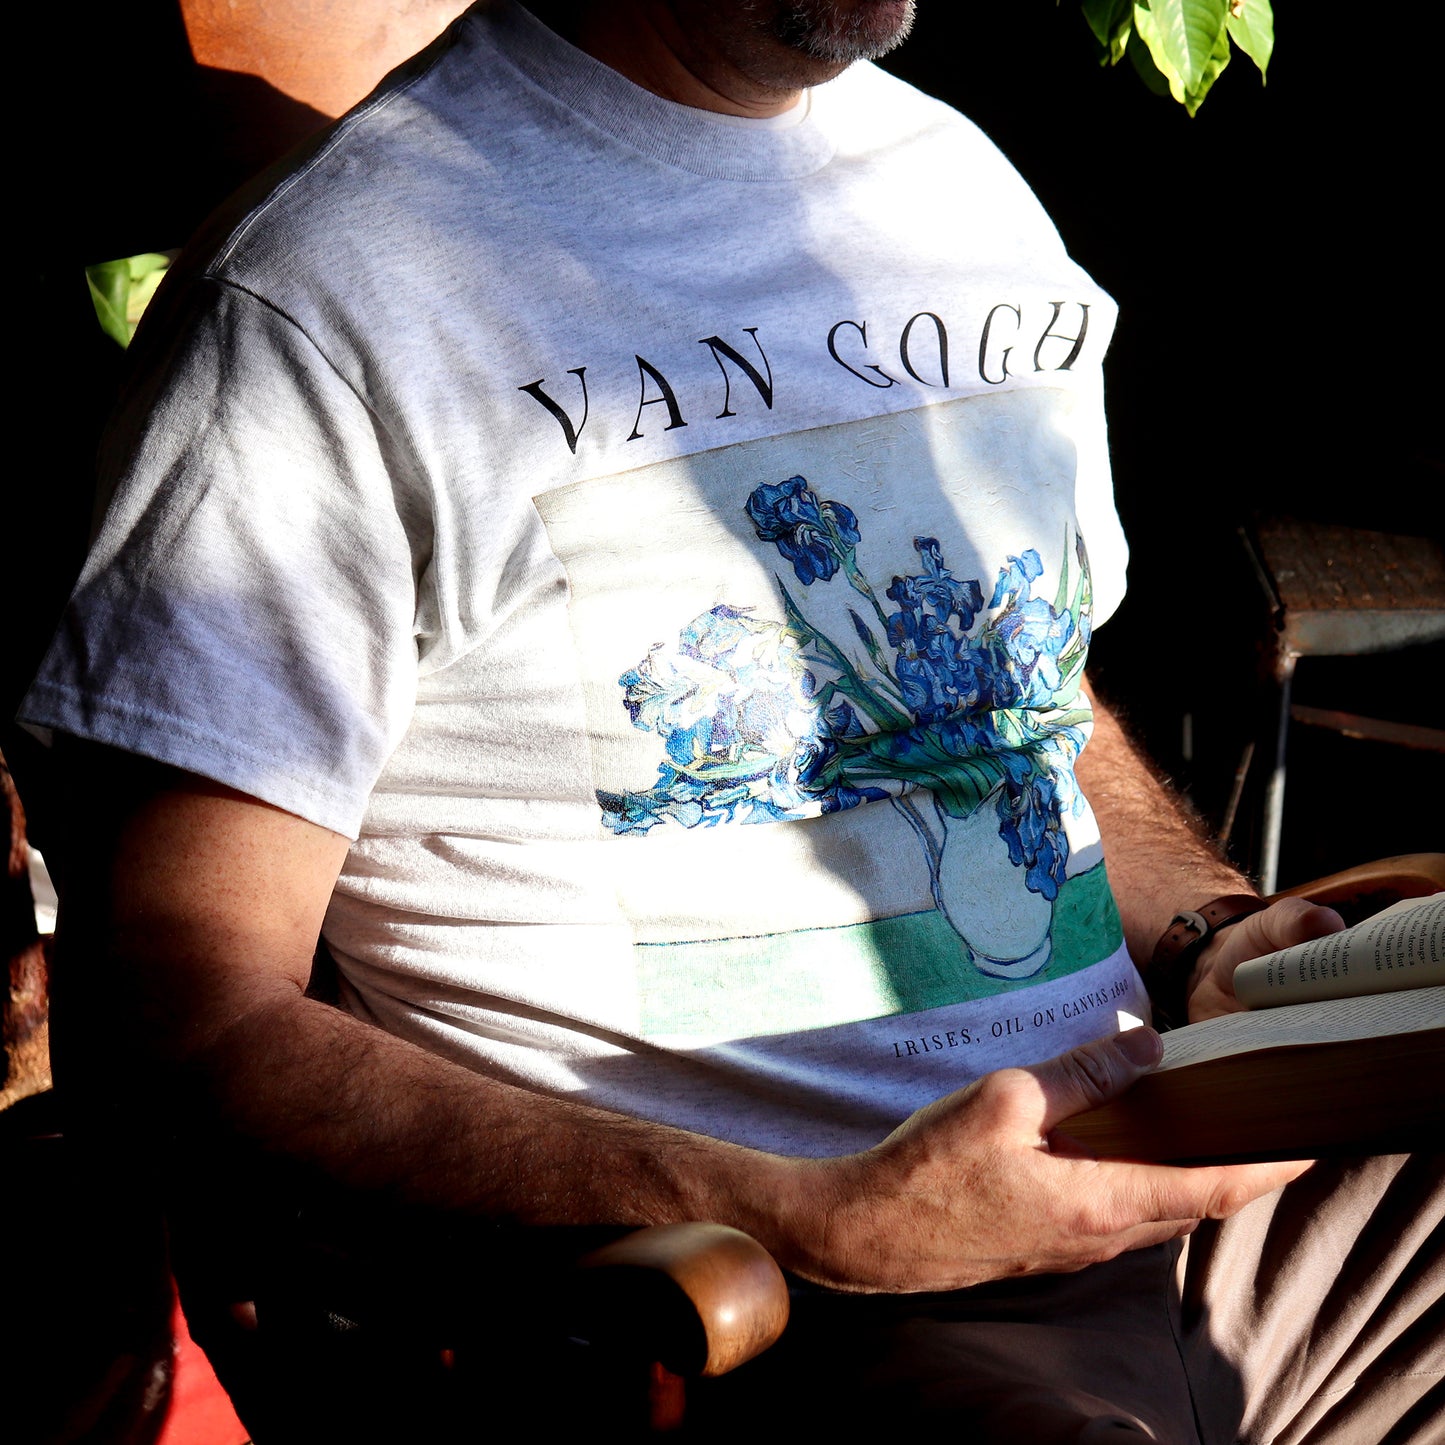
(1094, 1073)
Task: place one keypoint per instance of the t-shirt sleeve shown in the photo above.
(1094, 507)
(248, 608)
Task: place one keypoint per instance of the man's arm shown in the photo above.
(1160, 862)
(189, 922)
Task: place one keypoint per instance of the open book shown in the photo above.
(1342, 1051)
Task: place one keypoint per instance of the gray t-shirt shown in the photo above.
(659, 542)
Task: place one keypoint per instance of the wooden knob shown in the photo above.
(704, 1298)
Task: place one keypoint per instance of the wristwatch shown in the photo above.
(1178, 949)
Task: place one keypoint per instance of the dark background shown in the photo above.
(1277, 349)
(1275, 261)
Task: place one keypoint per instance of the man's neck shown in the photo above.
(709, 56)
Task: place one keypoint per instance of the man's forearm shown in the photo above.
(183, 980)
(1159, 858)
(181, 972)
(386, 1120)
(1161, 862)
(263, 1089)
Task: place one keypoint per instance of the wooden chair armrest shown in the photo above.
(1366, 888)
(699, 1298)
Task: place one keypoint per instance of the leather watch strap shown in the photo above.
(1175, 954)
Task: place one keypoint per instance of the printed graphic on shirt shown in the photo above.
(764, 720)
(769, 634)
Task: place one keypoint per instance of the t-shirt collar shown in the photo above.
(677, 135)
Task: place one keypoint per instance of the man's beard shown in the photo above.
(864, 31)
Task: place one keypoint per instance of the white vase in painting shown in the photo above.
(986, 898)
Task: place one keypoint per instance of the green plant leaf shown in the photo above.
(1183, 46)
(120, 291)
(1148, 31)
(141, 291)
(1101, 15)
(1251, 27)
(1120, 43)
(148, 263)
(1146, 67)
(1187, 32)
(1111, 21)
(1212, 71)
(109, 283)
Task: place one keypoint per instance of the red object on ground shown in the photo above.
(200, 1411)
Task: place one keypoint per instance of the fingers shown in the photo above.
(1144, 1202)
(970, 1188)
(1093, 1074)
(1287, 922)
(1163, 1193)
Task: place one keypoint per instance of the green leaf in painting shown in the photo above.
(1188, 32)
(109, 284)
(1251, 27)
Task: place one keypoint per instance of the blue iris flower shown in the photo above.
(814, 536)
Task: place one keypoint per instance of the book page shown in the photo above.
(1402, 946)
(1327, 1021)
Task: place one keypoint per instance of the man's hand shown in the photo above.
(1289, 921)
(980, 1186)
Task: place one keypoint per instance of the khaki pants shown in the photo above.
(1317, 1315)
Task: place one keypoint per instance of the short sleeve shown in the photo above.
(248, 608)
(1094, 506)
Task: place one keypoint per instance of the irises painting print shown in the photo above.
(961, 713)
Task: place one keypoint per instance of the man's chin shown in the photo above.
(842, 31)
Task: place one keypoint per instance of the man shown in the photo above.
(609, 542)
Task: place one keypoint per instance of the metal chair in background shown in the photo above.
(1331, 591)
